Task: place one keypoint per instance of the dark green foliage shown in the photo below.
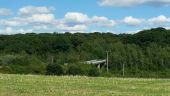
(94, 72)
(54, 69)
(83, 69)
(21, 64)
(78, 69)
(144, 54)
(74, 70)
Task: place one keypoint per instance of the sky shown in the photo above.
(116, 16)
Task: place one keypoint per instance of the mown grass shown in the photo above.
(30, 85)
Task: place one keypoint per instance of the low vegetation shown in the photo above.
(29, 85)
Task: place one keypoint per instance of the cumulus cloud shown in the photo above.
(34, 19)
(130, 3)
(75, 28)
(159, 20)
(103, 21)
(38, 19)
(131, 21)
(29, 10)
(72, 22)
(42, 18)
(10, 30)
(76, 17)
(5, 12)
(75, 21)
(40, 27)
(16, 21)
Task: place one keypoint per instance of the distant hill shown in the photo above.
(156, 35)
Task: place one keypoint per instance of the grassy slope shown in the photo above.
(28, 85)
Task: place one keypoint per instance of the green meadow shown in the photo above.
(33, 85)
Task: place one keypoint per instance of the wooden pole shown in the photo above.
(123, 69)
(107, 61)
(52, 59)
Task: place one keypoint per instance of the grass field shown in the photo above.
(29, 85)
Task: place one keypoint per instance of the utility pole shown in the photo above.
(52, 59)
(123, 69)
(107, 60)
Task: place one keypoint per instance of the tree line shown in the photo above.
(144, 54)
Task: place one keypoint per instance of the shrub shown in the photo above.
(21, 64)
(75, 70)
(94, 72)
(54, 69)
(106, 74)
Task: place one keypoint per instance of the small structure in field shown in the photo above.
(97, 63)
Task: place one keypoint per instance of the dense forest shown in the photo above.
(144, 54)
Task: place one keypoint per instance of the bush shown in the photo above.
(75, 70)
(21, 64)
(104, 73)
(54, 69)
(94, 72)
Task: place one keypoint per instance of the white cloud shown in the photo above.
(103, 21)
(29, 10)
(73, 22)
(16, 21)
(76, 17)
(5, 12)
(159, 20)
(131, 21)
(33, 16)
(10, 30)
(40, 27)
(31, 20)
(130, 3)
(167, 28)
(9, 22)
(42, 18)
(75, 28)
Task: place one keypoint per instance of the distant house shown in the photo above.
(97, 63)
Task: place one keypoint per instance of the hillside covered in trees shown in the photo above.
(144, 54)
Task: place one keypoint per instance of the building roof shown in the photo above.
(95, 62)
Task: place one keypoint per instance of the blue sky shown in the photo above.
(116, 16)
